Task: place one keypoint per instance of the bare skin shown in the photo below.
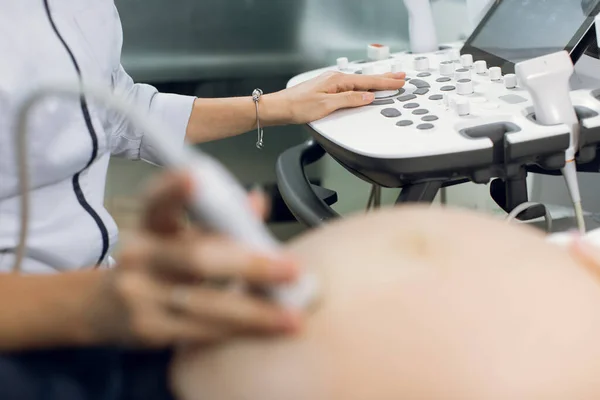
(422, 304)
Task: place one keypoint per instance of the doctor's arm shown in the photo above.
(198, 120)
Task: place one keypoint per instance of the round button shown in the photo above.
(463, 73)
(495, 73)
(481, 67)
(425, 127)
(420, 111)
(385, 93)
(368, 70)
(448, 88)
(463, 107)
(436, 97)
(466, 60)
(442, 80)
(429, 118)
(464, 87)
(411, 105)
(510, 81)
(391, 113)
(447, 68)
(405, 122)
(423, 75)
(421, 63)
(342, 63)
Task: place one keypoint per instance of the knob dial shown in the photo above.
(481, 67)
(466, 60)
(368, 70)
(495, 73)
(510, 81)
(385, 93)
(342, 63)
(463, 107)
(378, 52)
(447, 68)
(463, 73)
(397, 67)
(464, 87)
(421, 63)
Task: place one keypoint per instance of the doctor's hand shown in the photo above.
(161, 293)
(319, 97)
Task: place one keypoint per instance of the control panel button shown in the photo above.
(436, 97)
(411, 105)
(463, 107)
(378, 52)
(368, 70)
(406, 97)
(447, 68)
(421, 91)
(419, 83)
(397, 67)
(448, 88)
(495, 73)
(466, 60)
(403, 123)
(342, 63)
(464, 87)
(391, 113)
(463, 73)
(423, 75)
(442, 80)
(510, 81)
(454, 54)
(425, 127)
(481, 67)
(429, 118)
(420, 111)
(421, 63)
(385, 102)
(385, 93)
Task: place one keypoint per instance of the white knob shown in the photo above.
(510, 81)
(466, 60)
(397, 67)
(378, 52)
(454, 55)
(463, 107)
(463, 73)
(421, 63)
(464, 87)
(446, 99)
(342, 63)
(481, 67)
(368, 70)
(495, 73)
(447, 68)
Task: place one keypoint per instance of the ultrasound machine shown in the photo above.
(521, 95)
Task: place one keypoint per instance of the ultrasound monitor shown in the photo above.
(518, 30)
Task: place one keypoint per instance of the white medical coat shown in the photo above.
(69, 228)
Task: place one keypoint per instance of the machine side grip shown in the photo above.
(295, 188)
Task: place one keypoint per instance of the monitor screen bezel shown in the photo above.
(576, 47)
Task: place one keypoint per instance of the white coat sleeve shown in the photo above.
(171, 110)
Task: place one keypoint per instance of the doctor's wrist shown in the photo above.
(275, 109)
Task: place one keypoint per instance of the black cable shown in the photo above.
(94, 136)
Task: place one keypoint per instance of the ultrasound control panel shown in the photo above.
(455, 116)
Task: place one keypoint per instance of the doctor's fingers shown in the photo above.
(163, 313)
(197, 256)
(353, 82)
(165, 202)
